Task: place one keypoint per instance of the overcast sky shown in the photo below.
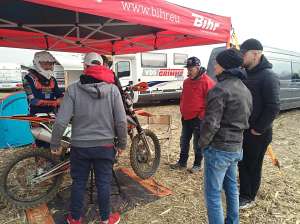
(274, 23)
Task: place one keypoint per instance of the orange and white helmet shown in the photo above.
(43, 56)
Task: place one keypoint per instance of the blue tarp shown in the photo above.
(14, 133)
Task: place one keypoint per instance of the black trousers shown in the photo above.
(190, 128)
(250, 168)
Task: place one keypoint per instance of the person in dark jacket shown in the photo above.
(98, 117)
(192, 108)
(229, 106)
(264, 87)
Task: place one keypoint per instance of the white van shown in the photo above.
(163, 71)
(10, 76)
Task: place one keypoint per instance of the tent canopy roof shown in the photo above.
(107, 26)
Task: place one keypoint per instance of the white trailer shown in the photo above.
(163, 71)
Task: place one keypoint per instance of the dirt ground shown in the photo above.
(278, 200)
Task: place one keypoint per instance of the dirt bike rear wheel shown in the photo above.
(15, 187)
(145, 162)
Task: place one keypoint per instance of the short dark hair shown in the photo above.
(105, 59)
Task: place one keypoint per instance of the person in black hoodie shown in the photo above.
(229, 106)
(264, 87)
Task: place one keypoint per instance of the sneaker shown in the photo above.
(246, 203)
(113, 219)
(177, 166)
(195, 169)
(70, 220)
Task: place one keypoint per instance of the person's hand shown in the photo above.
(57, 151)
(60, 100)
(253, 132)
(119, 152)
(53, 103)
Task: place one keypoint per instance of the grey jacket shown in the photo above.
(97, 113)
(229, 105)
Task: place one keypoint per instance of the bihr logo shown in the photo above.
(205, 23)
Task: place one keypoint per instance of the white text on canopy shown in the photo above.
(205, 23)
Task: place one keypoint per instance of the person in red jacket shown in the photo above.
(192, 108)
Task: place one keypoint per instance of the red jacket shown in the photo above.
(193, 97)
(100, 72)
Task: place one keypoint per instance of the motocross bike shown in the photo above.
(35, 176)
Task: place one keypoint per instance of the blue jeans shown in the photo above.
(220, 172)
(190, 128)
(82, 161)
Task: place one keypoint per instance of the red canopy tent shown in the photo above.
(107, 26)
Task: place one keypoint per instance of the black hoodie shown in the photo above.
(264, 86)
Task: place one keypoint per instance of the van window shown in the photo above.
(296, 72)
(180, 59)
(282, 68)
(154, 60)
(123, 69)
(212, 61)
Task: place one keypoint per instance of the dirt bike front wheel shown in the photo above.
(17, 187)
(145, 154)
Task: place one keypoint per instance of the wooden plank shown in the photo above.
(160, 119)
(39, 215)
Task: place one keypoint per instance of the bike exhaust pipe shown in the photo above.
(41, 134)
